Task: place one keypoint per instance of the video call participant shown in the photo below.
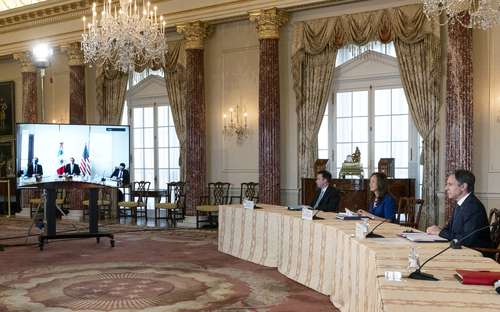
(34, 168)
(327, 197)
(121, 174)
(72, 168)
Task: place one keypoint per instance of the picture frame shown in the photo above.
(7, 159)
(7, 109)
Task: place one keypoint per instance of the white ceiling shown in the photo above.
(11, 4)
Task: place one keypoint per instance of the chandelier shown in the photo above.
(483, 14)
(237, 124)
(125, 37)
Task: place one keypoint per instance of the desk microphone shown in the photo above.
(373, 235)
(315, 217)
(455, 244)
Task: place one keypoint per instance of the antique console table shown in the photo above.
(50, 186)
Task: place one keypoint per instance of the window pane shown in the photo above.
(323, 154)
(360, 103)
(174, 141)
(401, 173)
(323, 134)
(170, 117)
(360, 129)
(139, 158)
(363, 149)
(400, 128)
(382, 128)
(124, 120)
(149, 137)
(383, 102)
(138, 138)
(138, 174)
(149, 158)
(342, 151)
(137, 117)
(162, 116)
(344, 130)
(344, 104)
(163, 178)
(400, 152)
(163, 158)
(149, 175)
(175, 175)
(382, 150)
(148, 117)
(399, 104)
(163, 137)
(174, 158)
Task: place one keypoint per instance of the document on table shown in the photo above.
(423, 237)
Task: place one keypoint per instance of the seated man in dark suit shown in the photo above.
(327, 197)
(122, 175)
(34, 169)
(469, 214)
(72, 168)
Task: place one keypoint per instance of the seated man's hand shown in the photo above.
(434, 230)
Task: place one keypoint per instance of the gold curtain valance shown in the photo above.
(407, 23)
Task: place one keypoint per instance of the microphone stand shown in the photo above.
(373, 235)
(455, 244)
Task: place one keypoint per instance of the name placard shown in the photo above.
(307, 214)
(248, 204)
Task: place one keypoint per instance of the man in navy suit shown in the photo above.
(72, 168)
(469, 214)
(34, 169)
(327, 197)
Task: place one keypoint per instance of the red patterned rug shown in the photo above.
(170, 270)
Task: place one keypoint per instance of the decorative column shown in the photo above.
(77, 107)
(28, 73)
(459, 107)
(268, 24)
(195, 34)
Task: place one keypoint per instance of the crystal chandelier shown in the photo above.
(125, 37)
(237, 124)
(483, 14)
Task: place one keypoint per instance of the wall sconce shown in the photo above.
(236, 124)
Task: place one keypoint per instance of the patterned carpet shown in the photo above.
(169, 270)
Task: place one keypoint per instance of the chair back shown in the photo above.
(250, 191)
(176, 193)
(218, 193)
(139, 190)
(61, 194)
(409, 211)
(495, 229)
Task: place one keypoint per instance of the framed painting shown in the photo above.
(7, 159)
(7, 108)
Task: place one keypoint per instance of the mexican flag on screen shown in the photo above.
(60, 159)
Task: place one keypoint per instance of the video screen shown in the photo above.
(53, 150)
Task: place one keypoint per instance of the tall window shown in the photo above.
(154, 142)
(368, 110)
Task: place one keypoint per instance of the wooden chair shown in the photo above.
(138, 199)
(36, 202)
(409, 211)
(103, 204)
(61, 200)
(495, 235)
(218, 194)
(248, 190)
(175, 210)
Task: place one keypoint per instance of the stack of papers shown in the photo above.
(423, 237)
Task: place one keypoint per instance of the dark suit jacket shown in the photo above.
(76, 169)
(31, 171)
(125, 177)
(466, 219)
(330, 200)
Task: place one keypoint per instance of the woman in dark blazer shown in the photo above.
(383, 204)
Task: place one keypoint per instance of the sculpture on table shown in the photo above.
(352, 165)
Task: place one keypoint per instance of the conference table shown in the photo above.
(324, 255)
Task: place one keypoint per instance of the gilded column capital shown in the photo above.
(194, 33)
(74, 52)
(26, 61)
(269, 22)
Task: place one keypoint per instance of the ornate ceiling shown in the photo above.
(12, 4)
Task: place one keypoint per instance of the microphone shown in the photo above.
(315, 217)
(455, 244)
(371, 234)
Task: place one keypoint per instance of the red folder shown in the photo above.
(478, 277)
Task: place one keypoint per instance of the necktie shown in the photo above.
(120, 174)
(320, 197)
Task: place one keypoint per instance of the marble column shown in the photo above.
(29, 77)
(77, 107)
(195, 34)
(459, 106)
(268, 24)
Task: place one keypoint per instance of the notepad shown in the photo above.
(422, 237)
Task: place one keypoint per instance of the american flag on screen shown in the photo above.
(85, 162)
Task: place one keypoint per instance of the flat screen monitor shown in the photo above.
(96, 149)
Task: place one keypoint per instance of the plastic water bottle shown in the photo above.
(413, 260)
